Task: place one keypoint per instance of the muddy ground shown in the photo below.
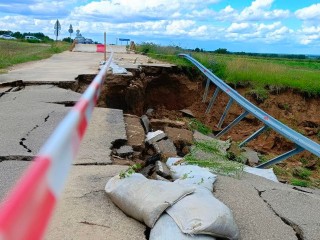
(170, 89)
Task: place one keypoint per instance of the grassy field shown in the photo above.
(14, 52)
(259, 72)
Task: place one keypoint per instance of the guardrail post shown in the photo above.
(235, 122)
(254, 135)
(213, 99)
(225, 113)
(282, 157)
(206, 91)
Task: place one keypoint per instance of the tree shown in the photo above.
(197, 49)
(70, 30)
(57, 28)
(221, 51)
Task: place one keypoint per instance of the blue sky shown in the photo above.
(277, 26)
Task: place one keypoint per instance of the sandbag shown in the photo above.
(166, 229)
(144, 199)
(191, 174)
(202, 213)
(265, 173)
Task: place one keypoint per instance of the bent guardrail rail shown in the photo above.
(302, 142)
(25, 213)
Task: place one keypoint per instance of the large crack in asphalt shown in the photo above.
(94, 224)
(295, 227)
(22, 140)
(16, 158)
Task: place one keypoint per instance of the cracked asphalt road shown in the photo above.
(262, 209)
(267, 210)
(28, 117)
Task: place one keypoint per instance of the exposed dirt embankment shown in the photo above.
(150, 87)
(170, 89)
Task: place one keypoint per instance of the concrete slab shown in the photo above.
(86, 212)
(268, 210)
(135, 132)
(253, 216)
(10, 172)
(106, 126)
(61, 67)
(29, 120)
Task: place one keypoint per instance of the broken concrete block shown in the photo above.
(252, 156)
(148, 170)
(187, 112)
(153, 159)
(198, 136)
(156, 136)
(135, 132)
(221, 145)
(166, 148)
(180, 137)
(158, 177)
(161, 123)
(145, 123)
(162, 170)
(150, 112)
(124, 151)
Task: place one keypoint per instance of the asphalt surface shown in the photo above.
(61, 67)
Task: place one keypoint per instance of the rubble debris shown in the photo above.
(148, 170)
(158, 177)
(145, 123)
(153, 159)
(180, 137)
(124, 151)
(156, 136)
(161, 123)
(166, 148)
(251, 156)
(150, 112)
(135, 132)
(187, 112)
(198, 136)
(162, 170)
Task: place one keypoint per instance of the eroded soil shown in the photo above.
(170, 89)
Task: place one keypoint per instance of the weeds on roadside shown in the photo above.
(207, 154)
(131, 170)
(300, 183)
(195, 124)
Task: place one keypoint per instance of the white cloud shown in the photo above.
(267, 33)
(239, 27)
(259, 10)
(309, 13)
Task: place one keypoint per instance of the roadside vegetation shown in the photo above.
(14, 52)
(261, 72)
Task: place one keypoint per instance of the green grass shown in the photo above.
(300, 183)
(207, 154)
(259, 72)
(194, 124)
(15, 52)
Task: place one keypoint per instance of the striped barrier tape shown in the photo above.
(26, 211)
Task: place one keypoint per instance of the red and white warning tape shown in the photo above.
(26, 211)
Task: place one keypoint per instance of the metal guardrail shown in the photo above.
(302, 142)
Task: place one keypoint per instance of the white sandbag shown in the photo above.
(167, 229)
(191, 174)
(265, 173)
(144, 199)
(202, 213)
(172, 161)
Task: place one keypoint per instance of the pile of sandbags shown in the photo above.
(183, 209)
